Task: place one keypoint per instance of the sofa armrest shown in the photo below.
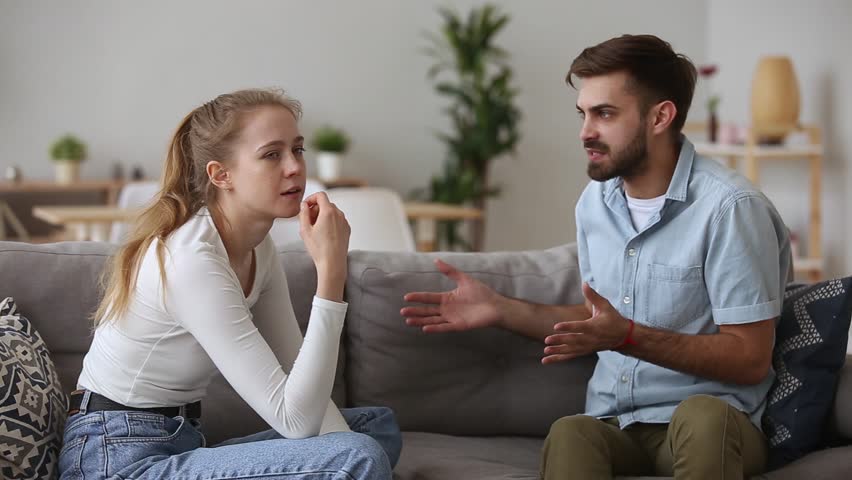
(842, 414)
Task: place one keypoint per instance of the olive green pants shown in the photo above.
(706, 439)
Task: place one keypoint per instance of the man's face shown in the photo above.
(614, 133)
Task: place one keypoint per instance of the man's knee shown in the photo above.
(701, 416)
(699, 407)
(567, 430)
(574, 444)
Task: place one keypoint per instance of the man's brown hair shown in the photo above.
(656, 72)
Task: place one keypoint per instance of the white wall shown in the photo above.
(121, 75)
(817, 37)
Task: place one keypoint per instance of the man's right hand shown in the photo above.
(471, 305)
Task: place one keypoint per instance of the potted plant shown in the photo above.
(67, 153)
(331, 143)
(472, 72)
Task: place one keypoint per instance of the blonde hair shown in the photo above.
(205, 134)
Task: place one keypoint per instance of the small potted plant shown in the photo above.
(331, 143)
(67, 153)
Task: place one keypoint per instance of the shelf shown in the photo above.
(759, 151)
(51, 186)
(751, 154)
(807, 264)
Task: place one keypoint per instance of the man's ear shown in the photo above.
(664, 114)
(219, 176)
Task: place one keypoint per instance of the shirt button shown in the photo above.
(632, 252)
(624, 379)
(626, 299)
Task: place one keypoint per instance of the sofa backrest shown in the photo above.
(486, 382)
(56, 287)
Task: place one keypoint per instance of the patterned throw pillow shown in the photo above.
(810, 349)
(32, 403)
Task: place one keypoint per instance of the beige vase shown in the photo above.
(67, 171)
(774, 99)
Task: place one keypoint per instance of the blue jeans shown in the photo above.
(138, 445)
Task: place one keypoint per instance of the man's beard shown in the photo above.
(629, 162)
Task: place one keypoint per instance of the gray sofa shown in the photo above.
(473, 405)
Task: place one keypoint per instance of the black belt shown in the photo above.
(99, 402)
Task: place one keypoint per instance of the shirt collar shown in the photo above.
(680, 179)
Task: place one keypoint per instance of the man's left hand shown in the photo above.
(605, 330)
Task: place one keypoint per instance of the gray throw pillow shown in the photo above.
(32, 403)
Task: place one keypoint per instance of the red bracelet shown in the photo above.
(628, 340)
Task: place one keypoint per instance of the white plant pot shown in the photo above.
(328, 166)
(67, 171)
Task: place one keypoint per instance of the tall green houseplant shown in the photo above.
(471, 71)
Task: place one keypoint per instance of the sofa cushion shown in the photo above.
(828, 464)
(841, 417)
(56, 285)
(486, 382)
(427, 456)
(430, 456)
(32, 403)
(810, 349)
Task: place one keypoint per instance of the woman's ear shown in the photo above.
(219, 176)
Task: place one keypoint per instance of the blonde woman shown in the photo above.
(198, 289)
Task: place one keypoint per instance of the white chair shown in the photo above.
(377, 218)
(286, 230)
(132, 195)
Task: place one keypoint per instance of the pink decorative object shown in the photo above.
(728, 133)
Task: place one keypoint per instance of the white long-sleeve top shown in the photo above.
(167, 347)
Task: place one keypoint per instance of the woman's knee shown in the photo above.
(367, 456)
(380, 424)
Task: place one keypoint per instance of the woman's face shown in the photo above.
(267, 176)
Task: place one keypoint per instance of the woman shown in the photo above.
(198, 288)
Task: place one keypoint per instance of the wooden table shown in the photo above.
(12, 193)
(92, 222)
(426, 215)
(7, 215)
(110, 188)
(86, 222)
(344, 182)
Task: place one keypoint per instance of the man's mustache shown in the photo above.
(596, 145)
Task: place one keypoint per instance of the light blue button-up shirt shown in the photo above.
(717, 253)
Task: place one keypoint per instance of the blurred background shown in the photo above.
(118, 77)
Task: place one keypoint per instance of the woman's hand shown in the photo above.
(325, 231)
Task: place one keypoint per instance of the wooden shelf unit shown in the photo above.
(752, 154)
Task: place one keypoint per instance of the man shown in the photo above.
(684, 266)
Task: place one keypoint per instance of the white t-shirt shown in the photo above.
(642, 209)
(170, 343)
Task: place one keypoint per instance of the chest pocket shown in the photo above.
(676, 296)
